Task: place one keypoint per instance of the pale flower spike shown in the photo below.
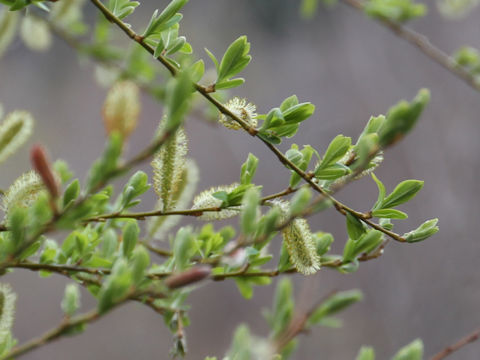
(14, 132)
(23, 192)
(243, 110)
(206, 200)
(122, 108)
(300, 243)
(7, 308)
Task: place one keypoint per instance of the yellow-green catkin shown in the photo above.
(159, 226)
(14, 132)
(35, 33)
(243, 110)
(300, 243)
(23, 192)
(206, 200)
(168, 166)
(121, 108)
(8, 28)
(7, 308)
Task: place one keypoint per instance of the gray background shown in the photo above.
(350, 68)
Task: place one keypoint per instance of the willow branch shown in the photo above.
(185, 212)
(475, 335)
(343, 209)
(53, 334)
(421, 42)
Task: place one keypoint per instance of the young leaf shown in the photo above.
(355, 227)
(366, 353)
(248, 218)
(334, 304)
(402, 193)
(71, 299)
(336, 150)
(401, 118)
(412, 351)
(381, 192)
(424, 231)
(389, 214)
(234, 60)
(159, 23)
(249, 168)
(130, 238)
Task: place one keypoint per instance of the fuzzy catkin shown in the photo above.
(206, 200)
(300, 243)
(7, 307)
(243, 110)
(23, 192)
(159, 226)
(122, 108)
(14, 132)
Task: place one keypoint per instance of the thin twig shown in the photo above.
(53, 334)
(297, 325)
(185, 212)
(424, 45)
(475, 335)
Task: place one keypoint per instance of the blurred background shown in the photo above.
(350, 68)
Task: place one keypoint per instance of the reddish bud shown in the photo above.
(41, 165)
(188, 277)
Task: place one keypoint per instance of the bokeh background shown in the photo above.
(350, 68)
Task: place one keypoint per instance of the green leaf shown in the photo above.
(300, 201)
(130, 237)
(289, 103)
(401, 118)
(245, 288)
(183, 248)
(308, 8)
(249, 169)
(140, 261)
(136, 186)
(283, 307)
(336, 150)
(412, 351)
(355, 227)
(167, 18)
(424, 231)
(394, 10)
(115, 287)
(381, 192)
(248, 217)
(332, 172)
(323, 240)
(213, 58)
(197, 70)
(298, 113)
(179, 93)
(235, 59)
(335, 304)
(404, 192)
(229, 84)
(366, 353)
(71, 299)
(71, 193)
(389, 214)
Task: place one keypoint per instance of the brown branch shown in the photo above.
(53, 334)
(423, 44)
(459, 344)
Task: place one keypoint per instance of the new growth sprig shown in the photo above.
(113, 250)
